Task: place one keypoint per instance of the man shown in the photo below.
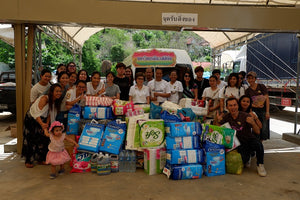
(245, 127)
(201, 82)
(220, 83)
(122, 81)
(148, 75)
(159, 88)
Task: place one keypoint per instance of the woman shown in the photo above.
(42, 112)
(76, 95)
(72, 80)
(211, 94)
(111, 90)
(190, 89)
(42, 86)
(83, 76)
(175, 87)
(60, 68)
(139, 93)
(71, 67)
(260, 105)
(63, 81)
(245, 105)
(232, 89)
(129, 75)
(96, 86)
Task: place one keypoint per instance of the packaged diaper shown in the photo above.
(189, 142)
(219, 135)
(113, 137)
(73, 119)
(181, 172)
(91, 137)
(154, 160)
(214, 159)
(191, 156)
(120, 107)
(97, 113)
(152, 133)
(181, 129)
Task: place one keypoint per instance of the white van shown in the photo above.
(166, 59)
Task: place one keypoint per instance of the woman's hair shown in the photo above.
(237, 79)
(191, 82)
(94, 73)
(61, 74)
(59, 66)
(70, 63)
(213, 76)
(250, 106)
(173, 71)
(81, 81)
(57, 102)
(139, 74)
(87, 75)
(44, 71)
(108, 73)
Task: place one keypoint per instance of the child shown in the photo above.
(57, 155)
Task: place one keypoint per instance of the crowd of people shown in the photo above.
(241, 101)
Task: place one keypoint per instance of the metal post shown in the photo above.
(297, 87)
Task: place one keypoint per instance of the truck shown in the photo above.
(8, 91)
(274, 59)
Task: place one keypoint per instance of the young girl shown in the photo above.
(57, 155)
(111, 90)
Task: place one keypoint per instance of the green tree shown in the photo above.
(117, 53)
(7, 54)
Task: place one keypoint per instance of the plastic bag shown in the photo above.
(155, 111)
(167, 117)
(186, 114)
(234, 162)
(81, 162)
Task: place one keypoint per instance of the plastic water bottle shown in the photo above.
(94, 160)
(128, 161)
(122, 160)
(114, 163)
(132, 162)
(103, 165)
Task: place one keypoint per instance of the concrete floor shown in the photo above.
(282, 162)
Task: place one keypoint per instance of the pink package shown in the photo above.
(80, 162)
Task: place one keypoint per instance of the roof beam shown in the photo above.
(147, 15)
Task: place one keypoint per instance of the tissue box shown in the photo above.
(152, 133)
(154, 160)
(113, 137)
(181, 172)
(190, 142)
(214, 159)
(97, 113)
(91, 137)
(191, 156)
(181, 129)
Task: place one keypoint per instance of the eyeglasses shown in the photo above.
(186, 76)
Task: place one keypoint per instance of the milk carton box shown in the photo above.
(190, 156)
(181, 172)
(189, 142)
(214, 159)
(113, 137)
(154, 160)
(182, 129)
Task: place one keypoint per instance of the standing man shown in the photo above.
(148, 75)
(122, 81)
(159, 88)
(220, 83)
(245, 127)
(201, 82)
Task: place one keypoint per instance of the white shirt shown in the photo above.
(231, 91)
(71, 96)
(139, 95)
(175, 89)
(214, 95)
(37, 90)
(222, 84)
(161, 87)
(90, 89)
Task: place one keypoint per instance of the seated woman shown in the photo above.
(96, 86)
(139, 93)
(111, 90)
(77, 95)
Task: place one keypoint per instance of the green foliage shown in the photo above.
(117, 53)
(7, 54)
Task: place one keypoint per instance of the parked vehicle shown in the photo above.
(274, 58)
(8, 92)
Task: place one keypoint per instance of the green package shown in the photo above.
(152, 133)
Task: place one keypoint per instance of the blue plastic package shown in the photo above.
(91, 137)
(189, 142)
(181, 172)
(214, 159)
(73, 120)
(181, 129)
(191, 156)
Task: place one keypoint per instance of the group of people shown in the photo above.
(52, 98)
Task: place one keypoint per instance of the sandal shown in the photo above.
(28, 165)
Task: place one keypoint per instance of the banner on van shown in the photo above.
(154, 58)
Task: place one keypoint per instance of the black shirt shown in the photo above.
(124, 86)
(204, 83)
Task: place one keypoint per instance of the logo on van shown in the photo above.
(154, 58)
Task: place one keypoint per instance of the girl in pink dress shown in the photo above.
(57, 155)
